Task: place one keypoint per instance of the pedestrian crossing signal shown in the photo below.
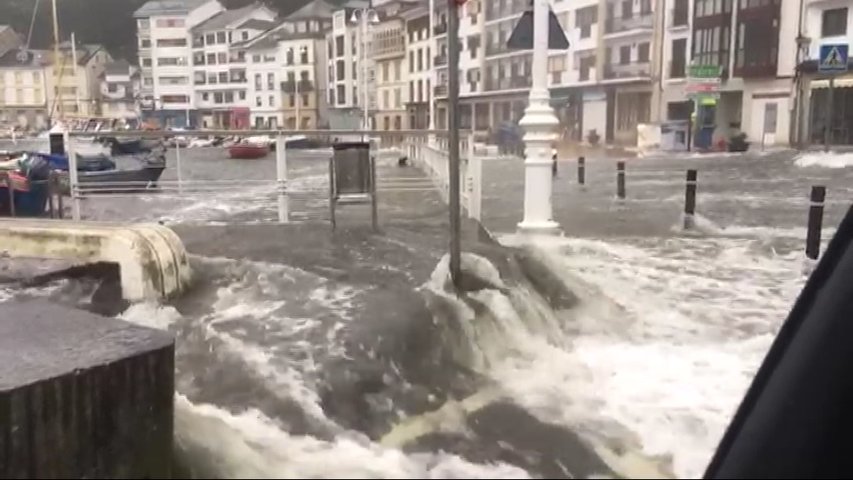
(833, 58)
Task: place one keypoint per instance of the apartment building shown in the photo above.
(418, 67)
(219, 76)
(75, 83)
(286, 70)
(165, 54)
(825, 23)
(23, 88)
(119, 90)
(389, 56)
(346, 44)
(676, 48)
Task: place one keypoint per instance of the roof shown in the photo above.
(168, 7)
(315, 9)
(120, 67)
(85, 52)
(255, 24)
(225, 18)
(25, 58)
(273, 37)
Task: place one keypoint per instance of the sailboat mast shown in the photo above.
(57, 66)
(76, 81)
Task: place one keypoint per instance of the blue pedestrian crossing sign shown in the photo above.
(833, 58)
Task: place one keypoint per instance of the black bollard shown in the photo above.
(581, 170)
(815, 222)
(690, 200)
(620, 180)
(554, 164)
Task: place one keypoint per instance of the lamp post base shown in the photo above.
(549, 228)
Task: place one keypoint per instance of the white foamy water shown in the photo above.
(248, 443)
(825, 159)
(671, 366)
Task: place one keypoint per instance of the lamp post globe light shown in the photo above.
(364, 18)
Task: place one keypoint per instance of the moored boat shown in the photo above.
(248, 151)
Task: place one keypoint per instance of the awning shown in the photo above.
(841, 82)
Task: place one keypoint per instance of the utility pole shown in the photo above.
(57, 65)
(453, 140)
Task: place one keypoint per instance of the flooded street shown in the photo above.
(303, 353)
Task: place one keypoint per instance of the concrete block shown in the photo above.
(83, 396)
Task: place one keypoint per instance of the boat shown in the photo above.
(131, 146)
(24, 188)
(248, 151)
(130, 180)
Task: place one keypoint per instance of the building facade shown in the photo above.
(418, 47)
(23, 89)
(220, 78)
(389, 56)
(75, 83)
(165, 56)
(120, 88)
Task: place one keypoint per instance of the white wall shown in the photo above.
(594, 113)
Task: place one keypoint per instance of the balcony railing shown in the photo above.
(440, 29)
(440, 60)
(506, 83)
(305, 86)
(440, 90)
(629, 70)
(620, 25)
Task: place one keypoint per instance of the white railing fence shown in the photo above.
(432, 157)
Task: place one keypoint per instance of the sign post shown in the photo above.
(833, 60)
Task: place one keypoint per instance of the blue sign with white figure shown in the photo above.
(833, 58)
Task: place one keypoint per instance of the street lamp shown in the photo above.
(364, 17)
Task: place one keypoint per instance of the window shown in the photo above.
(420, 60)
(354, 70)
(289, 57)
(222, 58)
(171, 42)
(211, 78)
(170, 23)
(385, 76)
(354, 44)
(711, 45)
(679, 58)
(210, 39)
(584, 20)
(143, 23)
(258, 84)
(175, 99)
(217, 97)
(244, 35)
(223, 77)
(627, 9)
(624, 55)
(229, 97)
(643, 52)
(148, 81)
(411, 61)
(291, 101)
(557, 63)
(304, 100)
(303, 55)
(834, 22)
(258, 102)
(398, 102)
(339, 46)
(146, 62)
(145, 43)
(386, 123)
(271, 100)
(256, 58)
(384, 105)
(220, 37)
(205, 96)
(242, 94)
(342, 95)
(171, 61)
(645, 7)
(173, 80)
(270, 81)
(397, 70)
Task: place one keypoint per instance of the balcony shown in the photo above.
(507, 83)
(627, 71)
(301, 86)
(440, 60)
(440, 29)
(639, 24)
(440, 90)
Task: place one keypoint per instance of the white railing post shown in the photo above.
(73, 179)
(281, 178)
(178, 166)
(475, 171)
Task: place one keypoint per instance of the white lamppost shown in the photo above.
(364, 17)
(539, 123)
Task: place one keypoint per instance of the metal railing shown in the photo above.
(282, 187)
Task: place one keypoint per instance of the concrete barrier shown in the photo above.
(83, 396)
(151, 258)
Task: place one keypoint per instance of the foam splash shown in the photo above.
(825, 159)
(704, 312)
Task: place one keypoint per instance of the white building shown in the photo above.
(417, 70)
(163, 31)
(825, 23)
(23, 89)
(345, 44)
(219, 71)
(120, 87)
(389, 56)
(286, 70)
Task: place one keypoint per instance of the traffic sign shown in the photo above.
(833, 58)
(705, 71)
